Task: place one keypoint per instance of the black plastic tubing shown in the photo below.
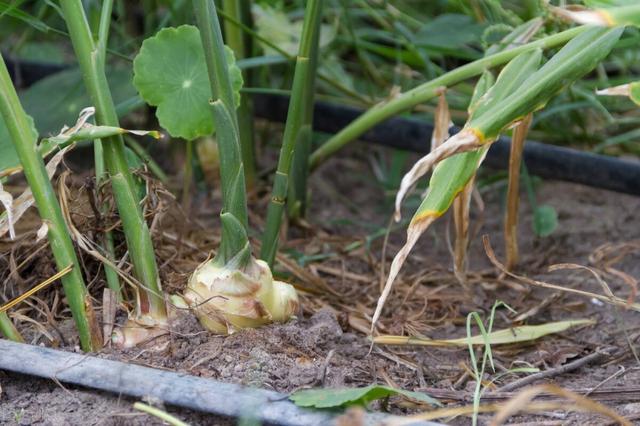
(546, 161)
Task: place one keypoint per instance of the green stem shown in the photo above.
(211, 34)
(188, 177)
(138, 237)
(103, 30)
(9, 330)
(236, 40)
(234, 213)
(429, 90)
(113, 281)
(24, 141)
(301, 101)
(247, 144)
(298, 191)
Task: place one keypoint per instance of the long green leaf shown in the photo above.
(452, 174)
(10, 9)
(429, 90)
(574, 60)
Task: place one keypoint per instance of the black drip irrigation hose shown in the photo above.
(546, 161)
(182, 390)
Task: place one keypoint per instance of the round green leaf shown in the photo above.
(170, 73)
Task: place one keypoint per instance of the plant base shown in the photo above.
(138, 331)
(227, 299)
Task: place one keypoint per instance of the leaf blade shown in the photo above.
(335, 398)
(170, 73)
(505, 336)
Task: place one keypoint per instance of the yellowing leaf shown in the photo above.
(506, 336)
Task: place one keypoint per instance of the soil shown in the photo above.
(327, 344)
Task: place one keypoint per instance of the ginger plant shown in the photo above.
(150, 316)
(504, 105)
(232, 290)
(24, 138)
